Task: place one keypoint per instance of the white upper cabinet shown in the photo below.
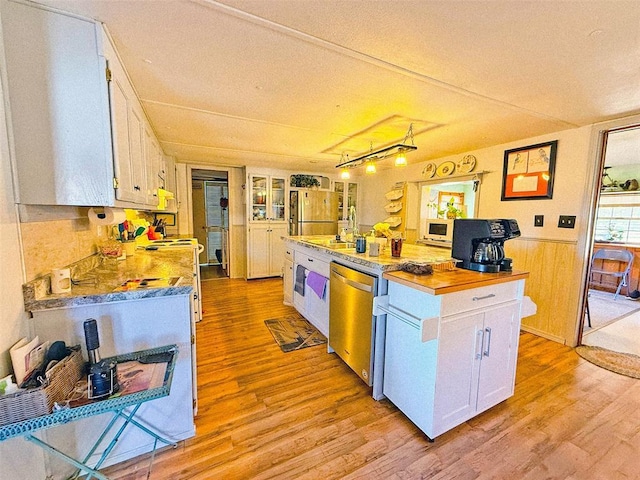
(80, 135)
(57, 90)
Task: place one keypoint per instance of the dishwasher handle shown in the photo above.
(352, 283)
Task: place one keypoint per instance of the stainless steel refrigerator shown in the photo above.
(313, 212)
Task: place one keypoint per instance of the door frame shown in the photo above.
(230, 175)
(597, 149)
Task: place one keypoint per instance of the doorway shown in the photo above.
(210, 200)
(615, 319)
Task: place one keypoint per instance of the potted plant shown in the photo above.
(451, 211)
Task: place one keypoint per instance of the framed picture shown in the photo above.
(529, 171)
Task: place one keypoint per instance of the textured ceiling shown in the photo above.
(296, 84)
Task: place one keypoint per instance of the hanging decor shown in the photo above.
(398, 151)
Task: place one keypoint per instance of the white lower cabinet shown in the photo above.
(311, 306)
(265, 250)
(441, 371)
(475, 365)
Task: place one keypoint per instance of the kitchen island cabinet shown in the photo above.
(445, 345)
(128, 321)
(452, 356)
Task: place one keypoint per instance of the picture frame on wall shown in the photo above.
(528, 172)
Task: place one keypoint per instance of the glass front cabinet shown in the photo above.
(351, 190)
(267, 197)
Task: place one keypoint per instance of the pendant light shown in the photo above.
(370, 167)
(401, 159)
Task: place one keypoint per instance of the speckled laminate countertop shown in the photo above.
(109, 274)
(384, 262)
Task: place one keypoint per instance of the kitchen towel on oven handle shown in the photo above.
(299, 284)
(317, 283)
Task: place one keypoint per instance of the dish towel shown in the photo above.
(317, 283)
(299, 286)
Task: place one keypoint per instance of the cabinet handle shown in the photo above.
(476, 299)
(136, 187)
(479, 343)
(310, 259)
(488, 349)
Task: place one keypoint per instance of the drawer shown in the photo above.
(289, 253)
(480, 297)
(313, 263)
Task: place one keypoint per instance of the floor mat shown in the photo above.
(622, 363)
(294, 333)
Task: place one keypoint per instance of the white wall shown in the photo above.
(18, 458)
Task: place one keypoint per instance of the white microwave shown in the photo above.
(438, 231)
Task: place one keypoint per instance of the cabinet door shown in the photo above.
(259, 254)
(499, 355)
(277, 198)
(288, 282)
(459, 356)
(258, 198)
(276, 247)
(57, 88)
(128, 133)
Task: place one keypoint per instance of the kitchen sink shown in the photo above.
(332, 244)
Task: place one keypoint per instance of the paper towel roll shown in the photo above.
(61, 280)
(107, 216)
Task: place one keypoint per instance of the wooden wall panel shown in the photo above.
(554, 285)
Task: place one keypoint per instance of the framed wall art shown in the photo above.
(528, 172)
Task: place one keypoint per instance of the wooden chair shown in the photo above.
(623, 259)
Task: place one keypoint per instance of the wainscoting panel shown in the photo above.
(554, 284)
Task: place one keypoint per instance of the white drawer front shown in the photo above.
(478, 298)
(289, 253)
(313, 263)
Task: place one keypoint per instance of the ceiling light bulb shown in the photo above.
(370, 168)
(401, 160)
(344, 174)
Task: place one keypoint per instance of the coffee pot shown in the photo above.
(488, 252)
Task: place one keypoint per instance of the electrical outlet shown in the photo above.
(567, 221)
(538, 220)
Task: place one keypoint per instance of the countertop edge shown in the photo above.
(421, 282)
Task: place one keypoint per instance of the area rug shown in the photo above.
(622, 363)
(294, 333)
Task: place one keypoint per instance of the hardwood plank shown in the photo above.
(265, 414)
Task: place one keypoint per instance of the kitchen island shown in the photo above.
(130, 318)
(444, 345)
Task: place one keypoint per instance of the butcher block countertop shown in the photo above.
(441, 282)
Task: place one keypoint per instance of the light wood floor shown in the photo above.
(304, 415)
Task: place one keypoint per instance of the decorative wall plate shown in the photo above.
(467, 164)
(429, 170)
(445, 169)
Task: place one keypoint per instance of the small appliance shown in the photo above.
(438, 232)
(103, 375)
(479, 244)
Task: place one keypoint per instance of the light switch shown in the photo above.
(567, 221)
(538, 220)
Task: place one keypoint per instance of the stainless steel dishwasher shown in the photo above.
(351, 318)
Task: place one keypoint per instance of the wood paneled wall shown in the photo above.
(554, 285)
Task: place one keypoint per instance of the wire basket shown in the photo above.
(34, 402)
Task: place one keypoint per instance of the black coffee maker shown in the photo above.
(479, 244)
